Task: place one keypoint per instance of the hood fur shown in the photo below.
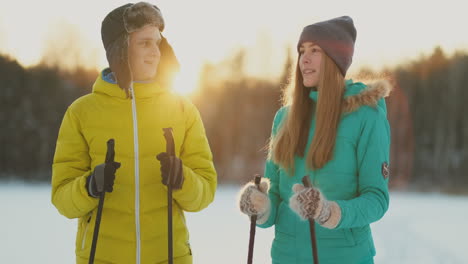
(368, 96)
(142, 14)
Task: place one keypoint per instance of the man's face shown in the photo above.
(144, 54)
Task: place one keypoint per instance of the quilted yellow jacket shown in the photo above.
(134, 220)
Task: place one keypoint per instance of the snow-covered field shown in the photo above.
(418, 228)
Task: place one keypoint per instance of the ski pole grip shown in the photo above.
(99, 170)
(110, 154)
(257, 180)
(170, 148)
(306, 181)
(110, 151)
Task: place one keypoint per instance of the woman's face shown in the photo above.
(144, 54)
(309, 63)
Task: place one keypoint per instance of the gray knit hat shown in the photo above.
(336, 37)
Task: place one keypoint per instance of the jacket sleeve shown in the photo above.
(272, 172)
(372, 160)
(70, 168)
(200, 177)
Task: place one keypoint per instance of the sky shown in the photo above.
(388, 32)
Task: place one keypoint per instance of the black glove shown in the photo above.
(102, 179)
(169, 163)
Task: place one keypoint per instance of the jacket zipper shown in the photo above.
(137, 177)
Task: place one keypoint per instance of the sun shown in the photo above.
(185, 82)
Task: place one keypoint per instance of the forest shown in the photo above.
(426, 111)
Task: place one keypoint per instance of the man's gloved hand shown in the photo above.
(102, 179)
(171, 168)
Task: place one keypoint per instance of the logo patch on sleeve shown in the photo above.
(385, 170)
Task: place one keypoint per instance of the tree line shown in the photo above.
(426, 111)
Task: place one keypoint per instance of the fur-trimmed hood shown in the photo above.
(359, 94)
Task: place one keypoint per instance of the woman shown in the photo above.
(336, 132)
(131, 103)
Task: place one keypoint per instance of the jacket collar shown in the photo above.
(106, 84)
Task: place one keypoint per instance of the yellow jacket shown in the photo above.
(134, 220)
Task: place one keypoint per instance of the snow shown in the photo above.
(418, 228)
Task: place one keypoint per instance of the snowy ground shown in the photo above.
(418, 228)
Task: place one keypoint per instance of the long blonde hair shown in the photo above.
(292, 137)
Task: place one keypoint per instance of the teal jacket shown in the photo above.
(354, 179)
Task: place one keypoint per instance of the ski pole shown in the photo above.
(170, 149)
(102, 189)
(307, 183)
(253, 221)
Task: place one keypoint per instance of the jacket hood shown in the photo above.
(358, 94)
(103, 85)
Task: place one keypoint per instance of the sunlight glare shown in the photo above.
(186, 80)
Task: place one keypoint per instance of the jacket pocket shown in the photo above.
(361, 234)
(85, 231)
(335, 237)
(182, 217)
